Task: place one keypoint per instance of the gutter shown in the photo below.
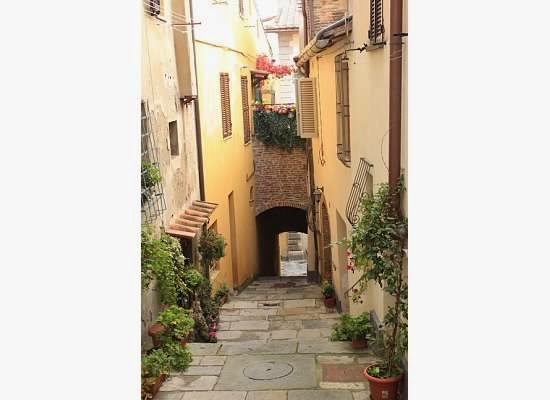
(396, 66)
(324, 39)
(198, 133)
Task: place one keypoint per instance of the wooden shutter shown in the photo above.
(225, 104)
(154, 7)
(343, 148)
(307, 108)
(246, 111)
(376, 31)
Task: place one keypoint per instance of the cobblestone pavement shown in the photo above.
(273, 344)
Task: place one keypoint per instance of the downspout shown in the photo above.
(306, 36)
(396, 63)
(198, 133)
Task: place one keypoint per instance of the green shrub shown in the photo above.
(179, 357)
(222, 291)
(155, 364)
(277, 129)
(150, 175)
(349, 328)
(177, 321)
(193, 279)
(327, 289)
(211, 248)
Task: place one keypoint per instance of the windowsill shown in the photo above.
(227, 137)
(248, 143)
(375, 46)
(346, 164)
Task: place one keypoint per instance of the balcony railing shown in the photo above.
(275, 124)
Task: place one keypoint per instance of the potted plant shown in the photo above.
(154, 369)
(178, 325)
(150, 176)
(328, 292)
(222, 294)
(155, 331)
(179, 357)
(359, 330)
(377, 245)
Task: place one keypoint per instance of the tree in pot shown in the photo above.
(222, 294)
(377, 244)
(211, 248)
(329, 293)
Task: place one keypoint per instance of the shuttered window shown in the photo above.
(225, 103)
(246, 109)
(241, 7)
(154, 7)
(376, 31)
(343, 145)
(307, 108)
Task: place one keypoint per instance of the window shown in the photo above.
(376, 31)
(246, 109)
(226, 106)
(343, 148)
(154, 7)
(173, 131)
(306, 108)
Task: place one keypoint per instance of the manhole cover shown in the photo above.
(265, 371)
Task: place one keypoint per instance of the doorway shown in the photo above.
(293, 254)
(233, 238)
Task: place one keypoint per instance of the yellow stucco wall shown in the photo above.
(369, 108)
(227, 42)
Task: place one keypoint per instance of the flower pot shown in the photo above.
(155, 331)
(330, 302)
(185, 340)
(383, 388)
(153, 389)
(359, 343)
(213, 327)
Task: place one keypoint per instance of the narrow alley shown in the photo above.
(273, 344)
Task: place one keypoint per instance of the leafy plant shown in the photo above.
(211, 248)
(150, 175)
(350, 328)
(377, 244)
(179, 357)
(155, 364)
(177, 322)
(193, 279)
(223, 290)
(173, 246)
(279, 129)
(327, 289)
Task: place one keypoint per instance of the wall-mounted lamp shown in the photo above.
(317, 193)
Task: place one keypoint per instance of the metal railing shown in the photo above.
(358, 191)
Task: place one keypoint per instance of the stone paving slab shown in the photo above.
(285, 325)
(213, 360)
(319, 323)
(203, 349)
(267, 395)
(228, 335)
(205, 370)
(233, 395)
(250, 325)
(342, 373)
(276, 347)
(330, 347)
(335, 359)
(300, 375)
(283, 334)
(170, 396)
(343, 385)
(309, 334)
(319, 395)
(363, 395)
(188, 383)
(299, 303)
(263, 312)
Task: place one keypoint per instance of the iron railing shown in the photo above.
(153, 203)
(358, 190)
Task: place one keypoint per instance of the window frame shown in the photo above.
(247, 126)
(173, 136)
(376, 23)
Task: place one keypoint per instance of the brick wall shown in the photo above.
(281, 178)
(322, 13)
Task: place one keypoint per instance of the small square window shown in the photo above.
(173, 130)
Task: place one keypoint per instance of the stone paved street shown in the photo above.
(273, 344)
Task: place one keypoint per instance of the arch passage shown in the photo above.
(269, 224)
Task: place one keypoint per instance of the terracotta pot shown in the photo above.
(155, 331)
(154, 388)
(359, 343)
(330, 302)
(183, 342)
(383, 388)
(213, 327)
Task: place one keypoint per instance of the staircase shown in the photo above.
(295, 250)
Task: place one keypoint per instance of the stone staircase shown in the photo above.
(295, 250)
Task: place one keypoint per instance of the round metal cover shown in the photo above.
(268, 370)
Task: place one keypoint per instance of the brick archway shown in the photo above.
(269, 224)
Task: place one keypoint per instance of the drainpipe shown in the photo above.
(198, 134)
(396, 62)
(306, 36)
